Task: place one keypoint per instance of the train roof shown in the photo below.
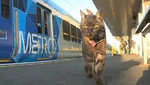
(58, 8)
(55, 6)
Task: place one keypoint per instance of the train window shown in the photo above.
(19, 4)
(39, 20)
(5, 8)
(79, 35)
(66, 30)
(46, 25)
(73, 33)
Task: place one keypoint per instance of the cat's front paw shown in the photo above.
(100, 81)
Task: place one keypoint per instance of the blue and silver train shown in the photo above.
(34, 30)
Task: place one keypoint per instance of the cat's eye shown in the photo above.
(96, 26)
(85, 26)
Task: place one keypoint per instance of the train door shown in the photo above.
(6, 30)
(45, 32)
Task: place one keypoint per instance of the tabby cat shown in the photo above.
(93, 44)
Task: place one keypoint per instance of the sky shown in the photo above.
(73, 7)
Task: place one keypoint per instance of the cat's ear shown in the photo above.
(99, 15)
(82, 15)
(89, 12)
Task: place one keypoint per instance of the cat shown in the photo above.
(93, 44)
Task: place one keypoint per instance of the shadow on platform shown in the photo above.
(119, 63)
(145, 79)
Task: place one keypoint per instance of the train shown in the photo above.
(37, 30)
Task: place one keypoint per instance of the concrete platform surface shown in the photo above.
(124, 69)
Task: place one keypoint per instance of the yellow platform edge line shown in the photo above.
(2, 61)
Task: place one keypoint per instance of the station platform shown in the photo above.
(127, 69)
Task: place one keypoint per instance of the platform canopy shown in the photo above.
(119, 15)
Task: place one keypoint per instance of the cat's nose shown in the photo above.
(91, 30)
